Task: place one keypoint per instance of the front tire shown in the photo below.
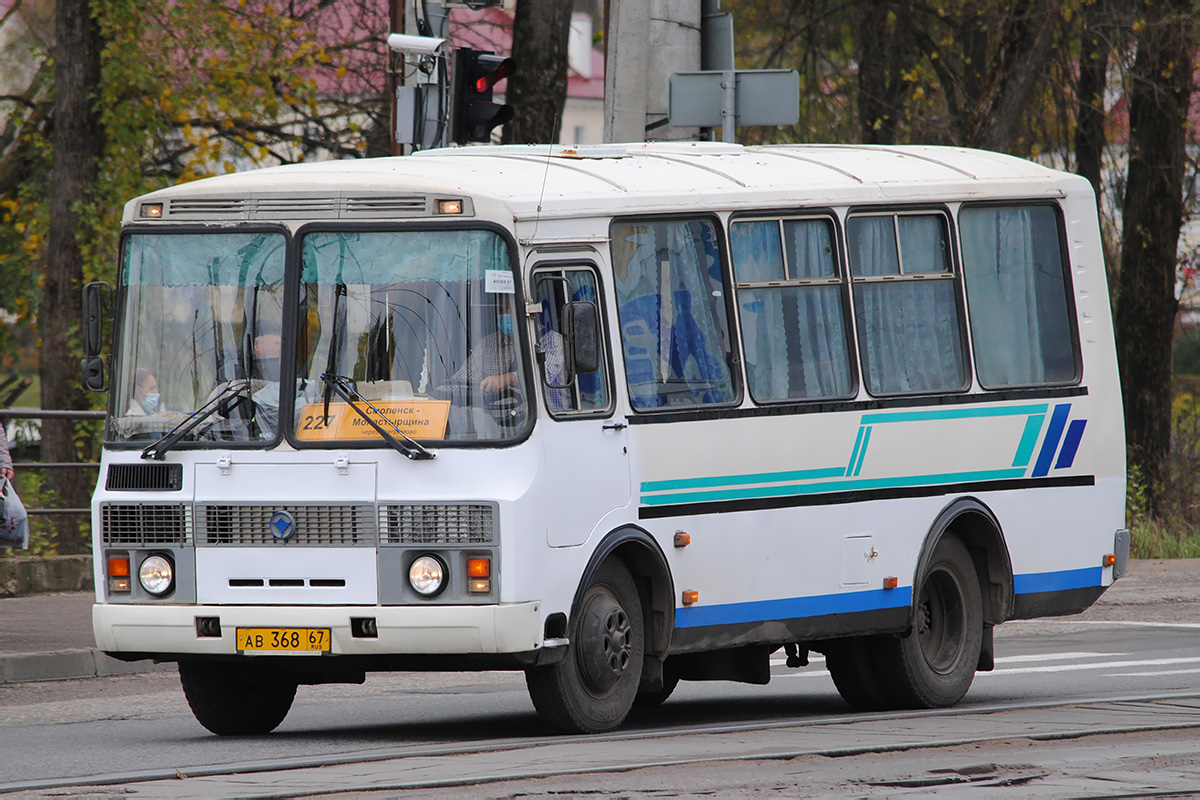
(592, 689)
(237, 699)
(934, 665)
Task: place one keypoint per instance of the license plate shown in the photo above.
(308, 641)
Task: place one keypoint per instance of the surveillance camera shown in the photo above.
(415, 45)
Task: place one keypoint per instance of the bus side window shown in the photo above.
(792, 308)
(905, 303)
(671, 303)
(1017, 296)
(565, 393)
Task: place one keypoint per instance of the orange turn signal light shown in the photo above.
(1110, 560)
(690, 596)
(682, 539)
(118, 566)
(479, 568)
(891, 582)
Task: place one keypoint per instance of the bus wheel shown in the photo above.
(933, 666)
(853, 665)
(654, 699)
(592, 689)
(237, 699)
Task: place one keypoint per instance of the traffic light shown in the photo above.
(475, 75)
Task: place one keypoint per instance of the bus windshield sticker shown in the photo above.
(499, 281)
(420, 419)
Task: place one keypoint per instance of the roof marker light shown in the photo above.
(449, 206)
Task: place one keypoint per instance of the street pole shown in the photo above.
(394, 76)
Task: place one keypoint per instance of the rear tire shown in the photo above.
(592, 689)
(237, 699)
(933, 666)
(854, 666)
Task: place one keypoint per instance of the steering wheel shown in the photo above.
(506, 406)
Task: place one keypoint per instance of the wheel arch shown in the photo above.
(644, 559)
(976, 526)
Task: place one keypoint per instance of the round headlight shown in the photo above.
(427, 576)
(156, 575)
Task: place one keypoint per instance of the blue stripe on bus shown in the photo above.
(1050, 444)
(835, 486)
(952, 413)
(738, 480)
(793, 607)
(870, 600)
(1033, 426)
(1070, 444)
(1035, 582)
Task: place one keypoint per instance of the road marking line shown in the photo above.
(1186, 625)
(1153, 674)
(1150, 662)
(1053, 657)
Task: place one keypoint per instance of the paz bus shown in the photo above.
(616, 416)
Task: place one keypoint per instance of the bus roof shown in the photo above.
(558, 181)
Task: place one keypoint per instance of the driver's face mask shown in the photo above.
(505, 324)
(151, 402)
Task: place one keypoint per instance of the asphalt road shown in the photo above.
(1142, 640)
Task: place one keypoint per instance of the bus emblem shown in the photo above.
(282, 525)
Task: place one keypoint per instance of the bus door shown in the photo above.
(584, 444)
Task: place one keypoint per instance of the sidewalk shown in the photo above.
(49, 636)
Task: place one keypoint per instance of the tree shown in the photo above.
(538, 89)
(78, 146)
(1151, 219)
(232, 84)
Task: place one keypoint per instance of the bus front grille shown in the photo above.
(310, 525)
(437, 523)
(145, 524)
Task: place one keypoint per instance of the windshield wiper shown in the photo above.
(233, 390)
(408, 448)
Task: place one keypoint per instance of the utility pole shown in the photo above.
(647, 40)
(395, 69)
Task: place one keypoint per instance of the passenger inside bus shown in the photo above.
(143, 397)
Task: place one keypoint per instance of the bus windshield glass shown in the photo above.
(421, 325)
(200, 327)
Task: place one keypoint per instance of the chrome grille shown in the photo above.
(437, 523)
(315, 525)
(145, 523)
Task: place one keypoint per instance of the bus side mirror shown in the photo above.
(92, 374)
(93, 318)
(581, 323)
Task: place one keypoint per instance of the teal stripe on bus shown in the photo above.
(1033, 427)
(834, 486)
(952, 413)
(739, 480)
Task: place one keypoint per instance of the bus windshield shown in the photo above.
(201, 324)
(422, 325)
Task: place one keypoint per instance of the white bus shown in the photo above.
(616, 417)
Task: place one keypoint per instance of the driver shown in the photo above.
(491, 363)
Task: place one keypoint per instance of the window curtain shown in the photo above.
(673, 332)
(1000, 268)
(821, 348)
(908, 330)
(758, 256)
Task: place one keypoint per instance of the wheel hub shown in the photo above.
(605, 642)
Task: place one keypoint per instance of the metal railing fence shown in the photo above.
(39, 414)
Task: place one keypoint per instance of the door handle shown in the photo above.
(615, 426)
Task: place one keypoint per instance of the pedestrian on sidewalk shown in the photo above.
(6, 464)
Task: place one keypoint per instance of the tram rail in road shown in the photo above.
(442, 766)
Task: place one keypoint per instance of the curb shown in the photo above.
(60, 665)
(26, 575)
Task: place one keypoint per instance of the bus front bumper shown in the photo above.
(168, 630)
